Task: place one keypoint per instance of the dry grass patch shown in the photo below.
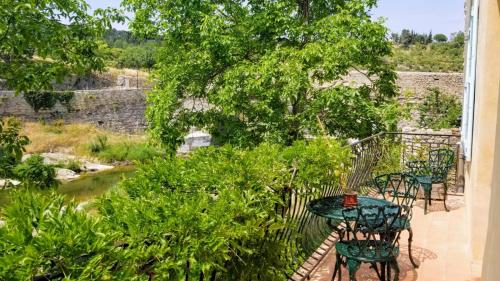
(70, 138)
(127, 72)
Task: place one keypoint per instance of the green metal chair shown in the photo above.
(369, 236)
(401, 189)
(433, 171)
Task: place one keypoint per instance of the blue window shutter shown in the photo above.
(470, 84)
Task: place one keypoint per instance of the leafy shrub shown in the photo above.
(212, 214)
(35, 172)
(99, 144)
(12, 146)
(439, 110)
(215, 211)
(46, 238)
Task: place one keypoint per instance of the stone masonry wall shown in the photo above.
(116, 109)
(121, 107)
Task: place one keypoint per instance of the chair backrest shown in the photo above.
(399, 188)
(367, 229)
(440, 162)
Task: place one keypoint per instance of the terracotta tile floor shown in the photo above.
(439, 246)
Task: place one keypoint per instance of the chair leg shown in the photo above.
(352, 267)
(445, 184)
(410, 240)
(429, 194)
(383, 267)
(395, 266)
(337, 268)
(427, 199)
(388, 271)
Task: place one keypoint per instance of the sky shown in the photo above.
(423, 16)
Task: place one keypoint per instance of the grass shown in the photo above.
(128, 151)
(72, 138)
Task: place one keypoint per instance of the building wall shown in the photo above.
(490, 85)
(480, 170)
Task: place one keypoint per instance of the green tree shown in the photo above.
(253, 71)
(440, 38)
(41, 42)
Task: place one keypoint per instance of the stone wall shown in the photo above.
(121, 106)
(117, 109)
(414, 85)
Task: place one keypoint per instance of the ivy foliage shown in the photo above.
(41, 42)
(212, 214)
(12, 146)
(264, 71)
(47, 99)
(439, 110)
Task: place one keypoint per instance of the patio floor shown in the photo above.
(439, 246)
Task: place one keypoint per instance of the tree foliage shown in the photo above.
(41, 42)
(408, 38)
(440, 38)
(439, 110)
(12, 146)
(249, 72)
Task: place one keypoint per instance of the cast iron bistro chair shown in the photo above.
(401, 189)
(433, 171)
(365, 240)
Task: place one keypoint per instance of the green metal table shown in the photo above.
(331, 207)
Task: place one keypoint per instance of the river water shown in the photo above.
(86, 187)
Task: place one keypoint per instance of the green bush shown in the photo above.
(439, 110)
(213, 213)
(46, 238)
(217, 209)
(34, 172)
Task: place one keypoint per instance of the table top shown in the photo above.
(331, 207)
